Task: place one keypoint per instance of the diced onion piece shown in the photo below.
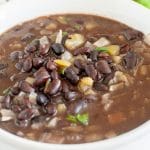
(117, 86)
(144, 70)
(62, 63)
(66, 56)
(30, 80)
(7, 115)
(102, 42)
(33, 97)
(90, 25)
(113, 50)
(47, 85)
(121, 77)
(62, 19)
(61, 108)
(116, 59)
(51, 26)
(53, 122)
(147, 39)
(90, 92)
(85, 83)
(74, 41)
(59, 37)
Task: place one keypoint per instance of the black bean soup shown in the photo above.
(73, 79)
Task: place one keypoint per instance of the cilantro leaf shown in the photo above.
(79, 118)
(102, 49)
(83, 119)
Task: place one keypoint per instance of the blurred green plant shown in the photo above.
(145, 3)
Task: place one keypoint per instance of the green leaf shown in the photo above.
(72, 118)
(102, 49)
(7, 91)
(83, 119)
(65, 33)
(145, 3)
(79, 118)
(77, 26)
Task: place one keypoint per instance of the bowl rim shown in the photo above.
(126, 137)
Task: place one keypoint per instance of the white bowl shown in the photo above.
(126, 11)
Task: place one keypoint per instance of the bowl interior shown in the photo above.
(18, 11)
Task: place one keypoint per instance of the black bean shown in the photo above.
(15, 90)
(82, 50)
(54, 75)
(3, 66)
(27, 37)
(25, 114)
(103, 67)
(80, 64)
(124, 48)
(77, 107)
(99, 86)
(25, 87)
(19, 65)
(65, 87)
(33, 46)
(131, 34)
(107, 78)
(57, 48)
(104, 56)
(58, 99)
(91, 71)
(22, 123)
(94, 55)
(130, 60)
(55, 86)
(42, 99)
(41, 76)
(71, 96)
(44, 45)
(7, 102)
(71, 74)
(91, 98)
(37, 62)
(51, 109)
(16, 55)
(27, 64)
(50, 65)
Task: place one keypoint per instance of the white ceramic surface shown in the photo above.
(17, 11)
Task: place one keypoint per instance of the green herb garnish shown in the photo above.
(79, 118)
(72, 118)
(65, 33)
(145, 3)
(83, 119)
(102, 49)
(77, 26)
(7, 91)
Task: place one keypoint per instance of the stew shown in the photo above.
(73, 78)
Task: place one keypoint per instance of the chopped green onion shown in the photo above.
(72, 118)
(7, 91)
(102, 49)
(79, 118)
(145, 3)
(77, 26)
(83, 119)
(62, 71)
(65, 33)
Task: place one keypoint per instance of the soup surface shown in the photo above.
(73, 78)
